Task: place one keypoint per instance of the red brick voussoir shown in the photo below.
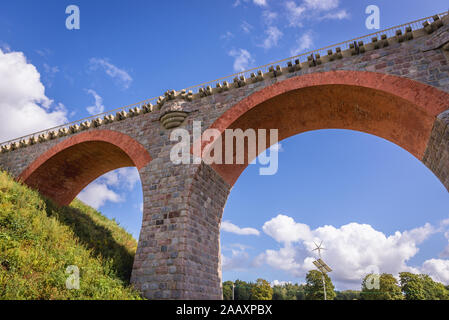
(404, 100)
(94, 152)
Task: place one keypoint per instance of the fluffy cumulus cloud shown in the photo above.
(236, 258)
(285, 230)
(352, 250)
(230, 227)
(242, 59)
(438, 269)
(23, 104)
(279, 283)
(119, 75)
(126, 177)
(96, 194)
(105, 188)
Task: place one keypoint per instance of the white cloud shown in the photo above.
(444, 223)
(246, 27)
(305, 42)
(284, 229)
(5, 47)
(123, 77)
(230, 227)
(98, 107)
(339, 15)
(269, 17)
(238, 261)
(103, 189)
(294, 13)
(96, 194)
(279, 283)
(273, 36)
(23, 104)
(128, 177)
(50, 69)
(261, 3)
(353, 250)
(438, 269)
(315, 10)
(227, 36)
(322, 4)
(44, 52)
(50, 73)
(242, 59)
(445, 252)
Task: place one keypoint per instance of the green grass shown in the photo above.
(39, 240)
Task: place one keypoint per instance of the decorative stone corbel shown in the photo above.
(63, 132)
(121, 115)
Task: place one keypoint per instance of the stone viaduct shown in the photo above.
(393, 84)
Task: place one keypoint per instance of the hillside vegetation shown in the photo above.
(39, 240)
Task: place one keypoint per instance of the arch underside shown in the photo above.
(63, 171)
(335, 106)
(66, 174)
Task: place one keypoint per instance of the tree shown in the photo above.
(242, 290)
(381, 287)
(422, 287)
(314, 286)
(261, 290)
(412, 286)
(227, 290)
(288, 291)
(279, 292)
(347, 295)
(301, 292)
(434, 290)
(295, 291)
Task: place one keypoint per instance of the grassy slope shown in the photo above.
(39, 240)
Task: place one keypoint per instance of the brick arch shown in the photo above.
(398, 109)
(64, 170)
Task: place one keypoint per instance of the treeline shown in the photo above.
(374, 287)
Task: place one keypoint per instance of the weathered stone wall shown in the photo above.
(178, 252)
(437, 153)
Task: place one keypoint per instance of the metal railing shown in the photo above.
(390, 32)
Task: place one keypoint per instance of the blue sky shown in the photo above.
(363, 188)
